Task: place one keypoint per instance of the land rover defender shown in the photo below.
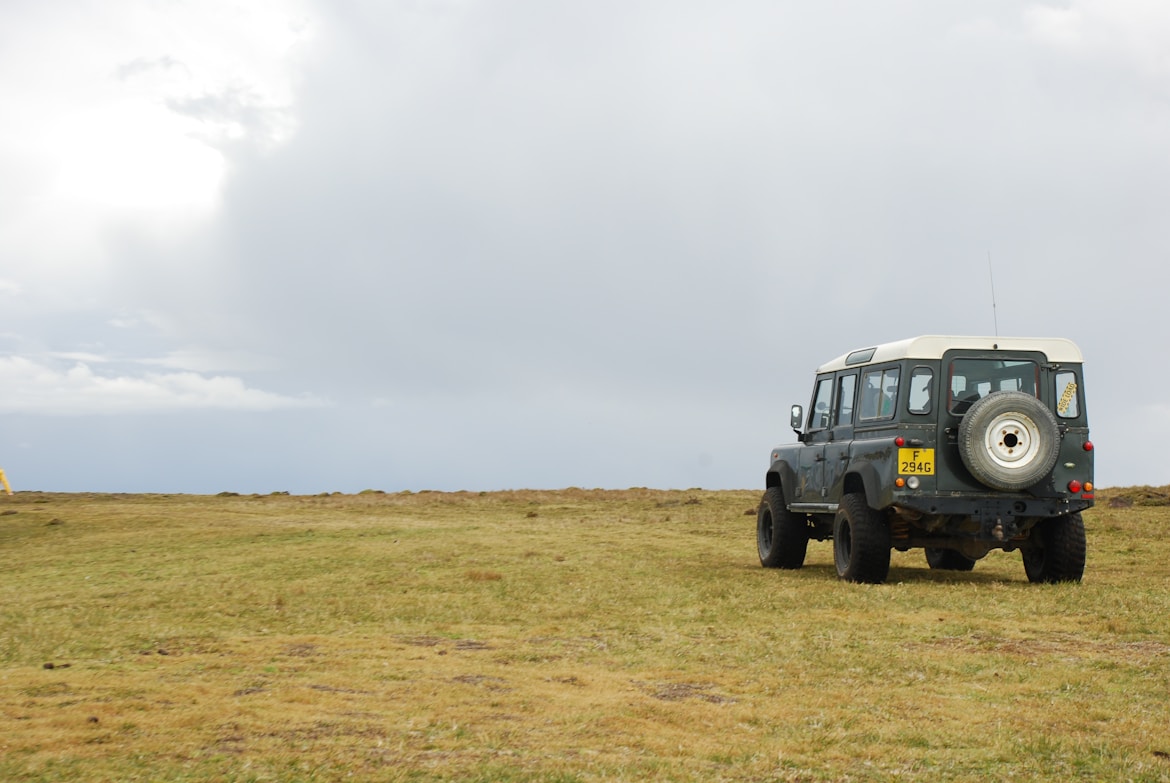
(955, 445)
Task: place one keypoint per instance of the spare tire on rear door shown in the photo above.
(1009, 440)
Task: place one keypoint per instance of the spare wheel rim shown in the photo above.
(1012, 441)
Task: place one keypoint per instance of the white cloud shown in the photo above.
(80, 357)
(1055, 25)
(200, 360)
(1129, 31)
(37, 388)
(151, 321)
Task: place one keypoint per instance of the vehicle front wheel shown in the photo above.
(861, 541)
(1057, 550)
(781, 536)
(948, 560)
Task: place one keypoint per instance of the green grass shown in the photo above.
(565, 636)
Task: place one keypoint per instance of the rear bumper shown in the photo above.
(974, 525)
(1000, 506)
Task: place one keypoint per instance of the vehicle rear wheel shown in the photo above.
(1057, 550)
(861, 541)
(948, 560)
(781, 536)
(1009, 440)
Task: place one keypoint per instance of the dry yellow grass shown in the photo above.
(571, 635)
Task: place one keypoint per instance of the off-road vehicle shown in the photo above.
(956, 445)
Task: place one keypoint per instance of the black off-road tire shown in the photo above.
(861, 541)
(781, 536)
(1009, 440)
(948, 560)
(1057, 551)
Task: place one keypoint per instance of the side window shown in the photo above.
(818, 417)
(846, 386)
(879, 394)
(1066, 395)
(920, 382)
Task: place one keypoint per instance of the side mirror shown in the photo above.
(796, 418)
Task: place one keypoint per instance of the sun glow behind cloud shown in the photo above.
(134, 104)
(134, 157)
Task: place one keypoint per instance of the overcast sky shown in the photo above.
(330, 245)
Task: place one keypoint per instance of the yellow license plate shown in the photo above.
(916, 462)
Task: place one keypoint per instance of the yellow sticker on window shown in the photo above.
(1066, 399)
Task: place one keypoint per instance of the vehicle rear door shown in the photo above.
(967, 377)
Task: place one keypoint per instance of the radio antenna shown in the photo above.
(994, 313)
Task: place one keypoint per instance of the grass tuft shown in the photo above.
(484, 576)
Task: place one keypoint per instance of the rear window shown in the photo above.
(973, 379)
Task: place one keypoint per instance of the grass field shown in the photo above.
(566, 636)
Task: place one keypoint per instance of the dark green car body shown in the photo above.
(957, 445)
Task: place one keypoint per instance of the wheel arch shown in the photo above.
(864, 479)
(781, 475)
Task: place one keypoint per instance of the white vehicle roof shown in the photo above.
(932, 346)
